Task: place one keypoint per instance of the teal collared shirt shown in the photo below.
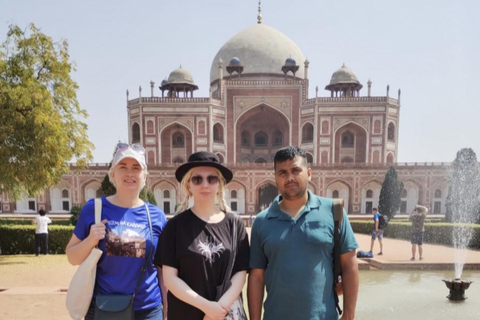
(297, 256)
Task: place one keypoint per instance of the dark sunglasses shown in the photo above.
(198, 180)
(135, 147)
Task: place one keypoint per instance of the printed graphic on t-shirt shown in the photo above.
(210, 249)
(126, 242)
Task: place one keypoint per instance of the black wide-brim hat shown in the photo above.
(203, 159)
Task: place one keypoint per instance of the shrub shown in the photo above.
(29, 221)
(18, 239)
(75, 214)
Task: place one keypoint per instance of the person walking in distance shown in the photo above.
(377, 232)
(41, 232)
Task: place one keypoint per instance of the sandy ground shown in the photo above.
(35, 286)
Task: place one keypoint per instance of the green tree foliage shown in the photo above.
(463, 194)
(75, 214)
(39, 113)
(107, 188)
(148, 195)
(390, 195)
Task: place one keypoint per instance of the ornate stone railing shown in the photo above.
(349, 99)
(168, 100)
(269, 164)
(263, 82)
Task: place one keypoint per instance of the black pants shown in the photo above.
(41, 241)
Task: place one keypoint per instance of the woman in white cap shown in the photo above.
(204, 250)
(124, 236)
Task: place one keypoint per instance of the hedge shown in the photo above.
(435, 232)
(20, 239)
(28, 221)
(17, 239)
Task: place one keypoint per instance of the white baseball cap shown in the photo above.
(133, 151)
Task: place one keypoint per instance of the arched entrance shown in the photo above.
(350, 144)
(340, 190)
(176, 143)
(260, 132)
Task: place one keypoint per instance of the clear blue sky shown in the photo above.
(429, 49)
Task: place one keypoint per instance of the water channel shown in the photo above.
(414, 294)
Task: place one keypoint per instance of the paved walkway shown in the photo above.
(397, 254)
(40, 293)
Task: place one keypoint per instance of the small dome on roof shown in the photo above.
(290, 62)
(164, 82)
(180, 75)
(234, 61)
(343, 75)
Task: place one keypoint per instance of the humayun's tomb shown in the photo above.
(259, 101)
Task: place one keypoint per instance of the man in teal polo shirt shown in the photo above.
(292, 250)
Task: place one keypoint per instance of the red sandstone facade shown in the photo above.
(262, 105)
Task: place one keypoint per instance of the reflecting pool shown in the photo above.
(414, 294)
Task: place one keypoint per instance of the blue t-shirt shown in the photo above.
(297, 256)
(375, 218)
(125, 248)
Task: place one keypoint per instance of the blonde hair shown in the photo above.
(187, 194)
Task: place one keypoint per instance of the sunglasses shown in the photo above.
(135, 147)
(198, 180)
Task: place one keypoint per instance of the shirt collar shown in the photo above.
(274, 211)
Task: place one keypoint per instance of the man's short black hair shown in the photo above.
(374, 209)
(288, 153)
(42, 212)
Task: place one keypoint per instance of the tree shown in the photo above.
(148, 195)
(463, 194)
(390, 195)
(75, 214)
(40, 117)
(107, 188)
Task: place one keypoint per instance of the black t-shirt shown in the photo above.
(200, 252)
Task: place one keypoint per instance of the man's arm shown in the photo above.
(350, 282)
(410, 216)
(255, 290)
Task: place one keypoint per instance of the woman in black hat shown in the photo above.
(204, 250)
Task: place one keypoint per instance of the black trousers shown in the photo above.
(41, 241)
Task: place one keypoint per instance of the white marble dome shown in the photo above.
(261, 50)
(180, 75)
(343, 75)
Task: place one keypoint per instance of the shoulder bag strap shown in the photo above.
(98, 212)
(147, 260)
(337, 268)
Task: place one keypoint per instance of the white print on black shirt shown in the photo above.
(210, 249)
